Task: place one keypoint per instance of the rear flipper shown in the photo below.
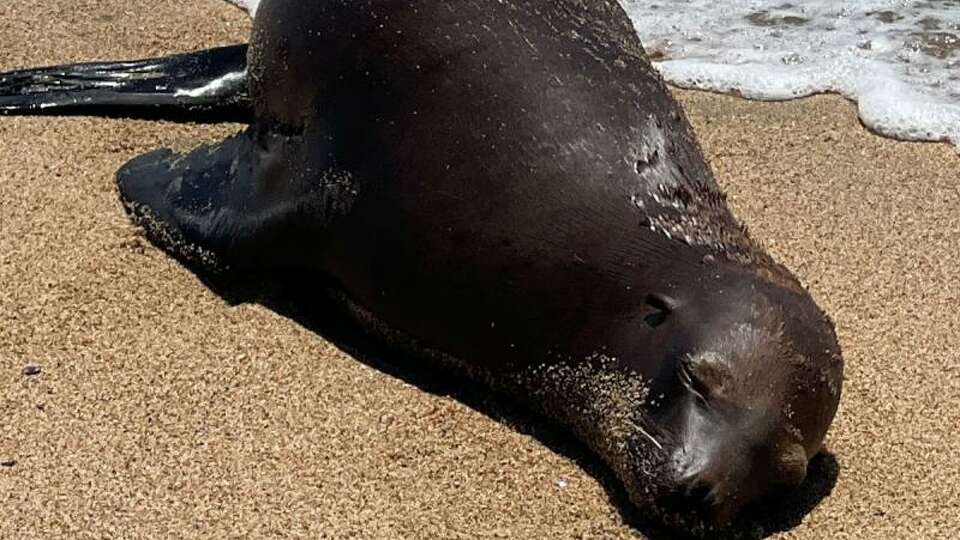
(194, 205)
(201, 86)
(238, 204)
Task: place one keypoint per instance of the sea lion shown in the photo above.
(508, 187)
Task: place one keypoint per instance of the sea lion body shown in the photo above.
(509, 185)
(482, 182)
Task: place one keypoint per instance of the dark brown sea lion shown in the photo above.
(508, 186)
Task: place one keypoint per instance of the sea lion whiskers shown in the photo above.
(643, 431)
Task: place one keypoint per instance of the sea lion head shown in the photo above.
(750, 384)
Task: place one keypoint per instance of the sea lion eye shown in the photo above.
(706, 374)
(690, 380)
(662, 306)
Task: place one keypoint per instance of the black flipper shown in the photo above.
(188, 203)
(238, 204)
(202, 86)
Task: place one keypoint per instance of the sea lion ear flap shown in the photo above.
(662, 305)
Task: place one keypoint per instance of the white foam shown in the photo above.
(249, 5)
(899, 60)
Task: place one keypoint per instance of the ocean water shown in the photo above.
(899, 60)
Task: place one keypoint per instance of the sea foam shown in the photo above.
(898, 60)
(249, 5)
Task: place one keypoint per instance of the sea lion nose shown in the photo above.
(713, 501)
(791, 465)
(709, 501)
(721, 487)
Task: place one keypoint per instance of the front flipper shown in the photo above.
(239, 203)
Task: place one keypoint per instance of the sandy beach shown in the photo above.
(162, 410)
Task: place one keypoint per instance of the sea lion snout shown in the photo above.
(737, 434)
(719, 467)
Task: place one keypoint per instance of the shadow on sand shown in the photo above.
(289, 296)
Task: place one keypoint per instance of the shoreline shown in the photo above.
(678, 88)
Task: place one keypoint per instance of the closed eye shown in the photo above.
(699, 390)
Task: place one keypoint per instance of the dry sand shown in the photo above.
(163, 411)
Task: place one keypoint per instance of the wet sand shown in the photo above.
(162, 410)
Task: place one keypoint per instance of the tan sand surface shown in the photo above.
(163, 411)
